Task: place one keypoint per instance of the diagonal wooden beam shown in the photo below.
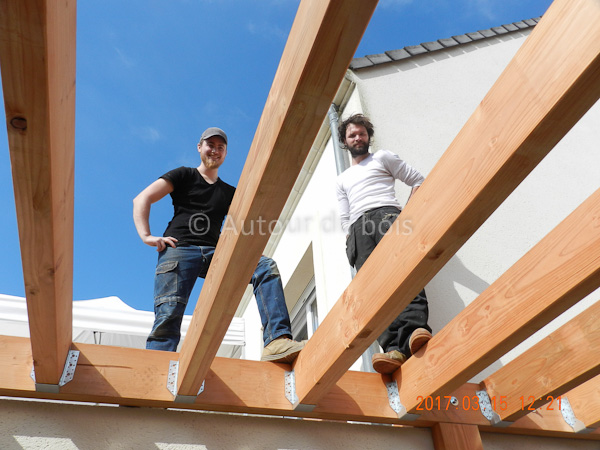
(322, 41)
(37, 58)
(104, 375)
(550, 83)
(450, 436)
(585, 402)
(559, 271)
(561, 361)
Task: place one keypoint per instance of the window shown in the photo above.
(304, 317)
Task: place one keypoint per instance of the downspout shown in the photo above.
(341, 163)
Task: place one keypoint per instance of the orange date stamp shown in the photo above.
(471, 403)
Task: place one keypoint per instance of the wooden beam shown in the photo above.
(550, 83)
(322, 42)
(37, 56)
(559, 271)
(585, 402)
(558, 363)
(104, 374)
(451, 436)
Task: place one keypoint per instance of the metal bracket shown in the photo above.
(67, 375)
(396, 405)
(485, 406)
(172, 385)
(290, 393)
(569, 416)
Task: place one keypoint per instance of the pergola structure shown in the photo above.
(551, 389)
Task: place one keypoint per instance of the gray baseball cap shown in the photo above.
(213, 131)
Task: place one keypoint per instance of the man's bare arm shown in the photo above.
(141, 213)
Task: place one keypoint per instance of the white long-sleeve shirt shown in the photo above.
(370, 184)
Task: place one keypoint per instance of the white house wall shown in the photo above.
(418, 105)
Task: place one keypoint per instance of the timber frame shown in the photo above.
(557, 69)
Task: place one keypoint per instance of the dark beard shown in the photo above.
(360, 150)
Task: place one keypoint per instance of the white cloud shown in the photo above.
(147, 133)
(126, 60)
(266, 31)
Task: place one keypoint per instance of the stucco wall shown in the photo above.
(33, 425)
(419, 105)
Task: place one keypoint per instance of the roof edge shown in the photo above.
(440, 44)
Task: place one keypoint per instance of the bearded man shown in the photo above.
(201, 201)
(368, 207)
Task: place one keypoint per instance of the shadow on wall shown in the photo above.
(450, 291)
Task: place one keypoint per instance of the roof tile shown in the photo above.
(499, 30)
(433, 46)
(448, 42)
(476, 36)
(398, 54)
(462, 39)
(360, 63)
(379, 58)
(510, 27)
(487, 33)
(415, 49)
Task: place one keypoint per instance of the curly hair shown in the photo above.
(355, 119)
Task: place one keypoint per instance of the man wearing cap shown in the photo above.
(201, 201)
(368, 207)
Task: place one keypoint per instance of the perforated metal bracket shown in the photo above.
(67, 375)
(396, 405)
(485, 406)
(172, 385)
(569, 416)
(290, 393)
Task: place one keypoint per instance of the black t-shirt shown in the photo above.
(199, 207)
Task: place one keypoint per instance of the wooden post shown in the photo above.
(452, 436)
(37, 52)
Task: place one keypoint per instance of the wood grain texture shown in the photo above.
(561, 361)
(321, 44)
(551, 82)
(585, 401)
(137, 377)
(37, 58)
(559, 271)
(450, 436)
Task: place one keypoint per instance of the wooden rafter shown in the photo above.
(559, 271)
(585, 401)
(550, 83)
(104, 375)
(322, 41)
(559, 362)
(37, 57)
(450, 436)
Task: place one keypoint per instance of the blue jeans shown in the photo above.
(176, 273)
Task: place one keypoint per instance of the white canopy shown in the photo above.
(109, 321)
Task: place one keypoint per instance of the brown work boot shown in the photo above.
(282, 350)
(387, 362)
(418, 339)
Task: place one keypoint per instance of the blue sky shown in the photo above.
(152, 75)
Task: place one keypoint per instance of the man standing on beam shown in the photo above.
(201, 201)
(368, 207)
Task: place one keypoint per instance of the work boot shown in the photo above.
(418, 339)
(282, 350)
(387, 362)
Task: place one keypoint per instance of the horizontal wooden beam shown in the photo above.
(104, 375)
(559, 271)
(451, 436)
(561, 361)
(550, 83)
(37, 56)
(322, 42)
